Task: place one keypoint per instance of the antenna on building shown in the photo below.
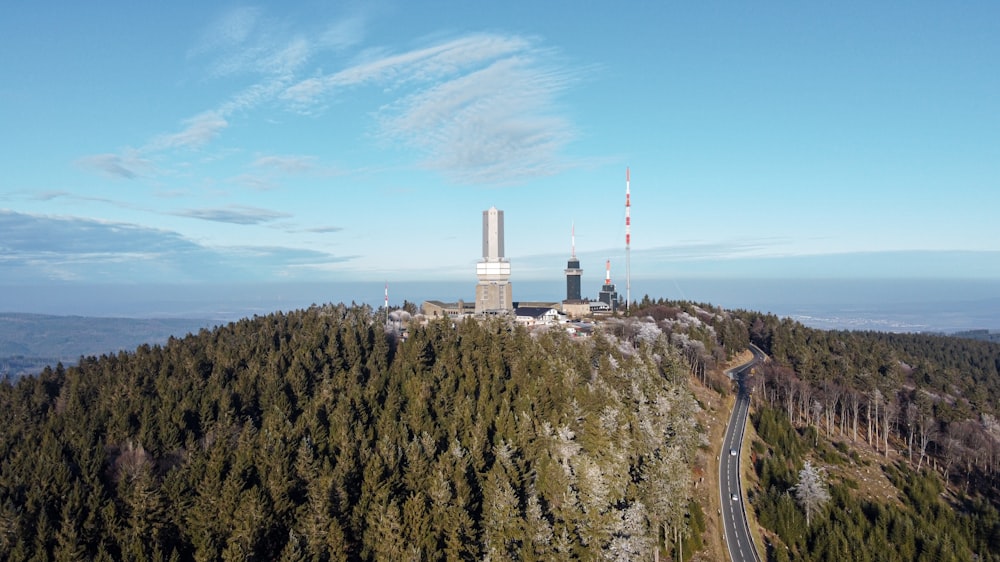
(573, 272)
(608, 295)
(628, 241)
(573, 239)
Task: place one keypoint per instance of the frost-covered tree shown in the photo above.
(811, 490)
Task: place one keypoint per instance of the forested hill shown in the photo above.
(317, 435)
(312, 435)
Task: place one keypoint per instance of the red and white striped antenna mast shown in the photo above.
(607, 274)
(628, 241)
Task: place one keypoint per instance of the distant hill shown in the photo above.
(29, 342)
(983, 335)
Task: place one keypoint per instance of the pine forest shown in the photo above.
(324, 434)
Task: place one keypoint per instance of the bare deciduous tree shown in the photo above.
(854, 402)
(888, 417)
(811, 491)
(912, 415)
(927, 431)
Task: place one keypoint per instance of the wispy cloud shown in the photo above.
(731, 249)
(127, 165)
(417, 66)
(239, 43)
(686, 252)
(256, 182)
(197, 131)
(70, 248)
(234, 214)
(343, 34)
(267, 172)
(496, 124)
(286, 164)
(287, 256)
(133, 163)
(38, 248)
(481, 108)
(77, 199)
(50, 195)
(229, 31)
(325, 229)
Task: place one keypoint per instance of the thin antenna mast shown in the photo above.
(573, 235)
(387, 303)
(628, 241)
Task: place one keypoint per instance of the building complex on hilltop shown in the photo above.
(494, 295)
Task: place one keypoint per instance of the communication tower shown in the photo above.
(628, 242)
(493, 291)
(573, 272)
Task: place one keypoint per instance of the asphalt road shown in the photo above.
(734, 517)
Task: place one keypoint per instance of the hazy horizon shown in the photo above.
(945, 305)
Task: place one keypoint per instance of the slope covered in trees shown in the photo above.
(917, 411)
(932, 399)
(316, 435)
(914, 522)
(312, 435)
(903, 425)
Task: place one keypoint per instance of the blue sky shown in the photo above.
(360, 141)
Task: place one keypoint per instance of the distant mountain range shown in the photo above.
(29, 342)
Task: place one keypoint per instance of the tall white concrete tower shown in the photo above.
(493, 292)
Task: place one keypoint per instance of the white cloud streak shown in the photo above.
(286, 164)
(234, 214)
(479, 109)
(421, 65)
(127, 165)
(198, 131)
(231, 30)
(38, 248)
(494, 124)
(343, 34)
(325, 229)
(239, 44)
(268, 171)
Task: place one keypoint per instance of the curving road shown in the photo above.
(734, 517)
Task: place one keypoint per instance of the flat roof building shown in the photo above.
(454, 310)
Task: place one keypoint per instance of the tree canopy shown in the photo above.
(317, 435)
